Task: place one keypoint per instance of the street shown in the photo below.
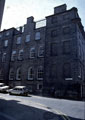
(39, 108)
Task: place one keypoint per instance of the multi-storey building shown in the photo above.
(2, 2)
(49, 58)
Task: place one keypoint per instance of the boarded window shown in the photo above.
(66, 30)
(54, 19)
(54, 49)
(67, 70)
(66, 47)
(54, 33)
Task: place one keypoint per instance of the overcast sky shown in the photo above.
(17, 11)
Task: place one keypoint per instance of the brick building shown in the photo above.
(49, 57)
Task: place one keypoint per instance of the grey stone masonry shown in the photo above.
(49, 59)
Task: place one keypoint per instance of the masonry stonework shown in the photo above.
(48, 59)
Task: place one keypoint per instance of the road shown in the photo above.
(39, 108)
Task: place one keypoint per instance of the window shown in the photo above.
(54, 33)
(66, 30)
(1, 74)
(40, 73)
(5, 43)
(32, 52)
(54, 19)
(20, 56)
(37, 35)
(4, 57)
(11, 74)
(66, 47)
(27, 38)
(7, 33)
(54, 49)
(18, 74)
(53, 72)
(19, 40)
(41, 51)
(30, 73)
(13, 57)
(66, 16)
(39, 86)
(67, 70)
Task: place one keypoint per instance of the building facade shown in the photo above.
(50, 58)
(2, 2)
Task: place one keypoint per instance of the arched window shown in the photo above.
(32, 52)
(13, 56)
(1, 74)
(18, 74)
(20, 56)
(30, 73)
(4, 57)
(40, 73)
(11, 74)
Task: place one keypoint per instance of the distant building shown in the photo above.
(49, 57)
(2, 3)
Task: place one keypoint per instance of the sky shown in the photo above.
(16, 12)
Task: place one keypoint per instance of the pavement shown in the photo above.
(23, 108)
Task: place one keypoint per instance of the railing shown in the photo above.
(40, 23)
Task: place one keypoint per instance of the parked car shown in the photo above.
(3, 88)
(1, 84)
(19, 90)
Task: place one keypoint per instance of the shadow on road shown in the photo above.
(14, 110)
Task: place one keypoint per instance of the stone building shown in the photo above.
(48, 58)
(2, 2)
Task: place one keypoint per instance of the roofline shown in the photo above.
(7, 29)
(73, 8)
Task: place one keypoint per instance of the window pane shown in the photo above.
(6, 43)
(20, 56)
(37, 36)
(32, 52)
(19, 40)
(18, 75)
(27, 38)
(7, 33)
(40, 73)
(13, 57)
(30, 74)
(4, 57)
